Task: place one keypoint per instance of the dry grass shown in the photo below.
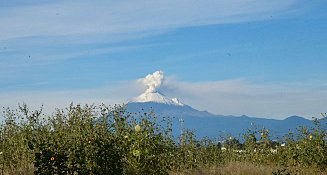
(232, 168)
(244, 168)
(239, 168)
(28, 170)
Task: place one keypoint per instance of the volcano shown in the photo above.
(208, 124)
(202, 122)
(156, 97)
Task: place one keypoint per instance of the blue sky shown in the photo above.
(232, 57)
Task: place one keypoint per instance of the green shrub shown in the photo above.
(109, 140)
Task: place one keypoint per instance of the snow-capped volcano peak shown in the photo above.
(151, 94)
(157, 97)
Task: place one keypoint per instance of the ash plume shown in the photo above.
(153, 81)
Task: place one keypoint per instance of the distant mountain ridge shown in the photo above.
(205, 123)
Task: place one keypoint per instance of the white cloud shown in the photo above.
(61, 23)
(53, 31)
(243, 97)
(112, 18)
(118, 93)
(227, 97)
(13, 62)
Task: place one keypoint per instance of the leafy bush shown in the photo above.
(109, 140)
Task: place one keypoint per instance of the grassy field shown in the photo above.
(109, 140)
(246, 168)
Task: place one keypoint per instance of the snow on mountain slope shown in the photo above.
(157, 97)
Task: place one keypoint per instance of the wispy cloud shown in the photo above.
(244, 97)
(19, 59)
(52, 31)
(63, 18)
(118, 93)
(227, 97)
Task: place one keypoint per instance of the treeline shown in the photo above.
(108, 140)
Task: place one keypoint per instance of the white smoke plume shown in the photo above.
(153, 81)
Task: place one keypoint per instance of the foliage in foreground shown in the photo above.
(109, 140)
